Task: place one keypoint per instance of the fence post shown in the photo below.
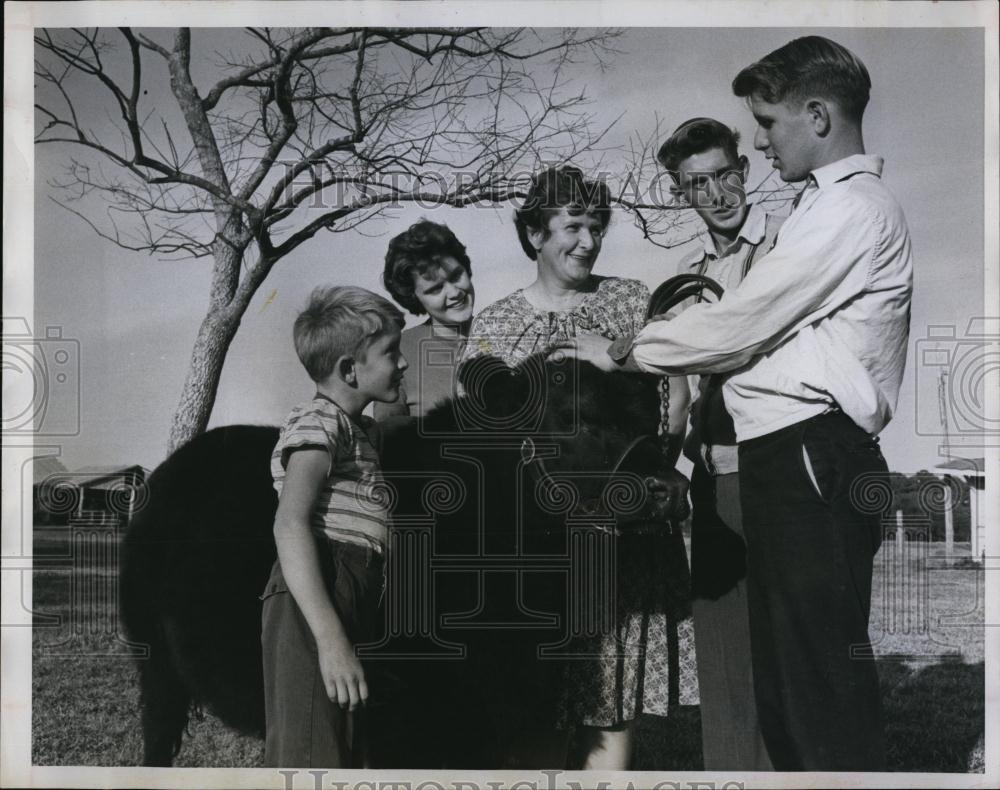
(975, 545)
(949, 523)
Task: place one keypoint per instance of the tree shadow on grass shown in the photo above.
(934, 715)
(934, 722)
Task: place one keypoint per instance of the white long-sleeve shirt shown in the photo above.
(821, 321)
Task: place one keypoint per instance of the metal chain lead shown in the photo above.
(665, 427)
(664, 410)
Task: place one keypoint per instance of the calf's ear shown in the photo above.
(492, 386)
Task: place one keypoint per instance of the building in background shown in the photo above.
(91, 496)
(973, 472)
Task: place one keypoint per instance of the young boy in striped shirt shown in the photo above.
(330, 530)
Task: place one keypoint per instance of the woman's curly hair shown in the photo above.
(420, 247)
(555, 188)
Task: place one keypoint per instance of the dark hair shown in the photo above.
(340, 321)
(812, 65)
(420, 247)
(555, 188)
(694, 137)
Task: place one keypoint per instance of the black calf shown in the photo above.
(193, 565)
(197, 557)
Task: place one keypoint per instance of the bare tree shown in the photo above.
(306, 130)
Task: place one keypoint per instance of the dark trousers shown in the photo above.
(304, 729)
(812, 527)
(730, 733)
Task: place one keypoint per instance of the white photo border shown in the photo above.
(21, 18)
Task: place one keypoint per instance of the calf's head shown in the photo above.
(586, 437)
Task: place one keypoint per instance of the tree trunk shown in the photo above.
(228, 302)
(202, 383)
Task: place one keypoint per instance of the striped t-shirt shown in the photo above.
(349, 507)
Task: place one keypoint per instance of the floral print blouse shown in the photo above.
(513, 329)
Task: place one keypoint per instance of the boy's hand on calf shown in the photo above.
(343, 675)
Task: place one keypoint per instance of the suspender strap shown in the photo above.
(772, 224)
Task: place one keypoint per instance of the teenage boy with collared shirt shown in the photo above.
(709, 175)
(815, 337)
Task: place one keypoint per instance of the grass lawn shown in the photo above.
(926, 627)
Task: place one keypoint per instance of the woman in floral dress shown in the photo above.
(646, 664)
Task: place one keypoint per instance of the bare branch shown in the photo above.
(299, 131)
(152, 45)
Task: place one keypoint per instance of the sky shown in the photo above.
(133, 318)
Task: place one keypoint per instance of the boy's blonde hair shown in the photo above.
(811, 64)
(340, 320)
